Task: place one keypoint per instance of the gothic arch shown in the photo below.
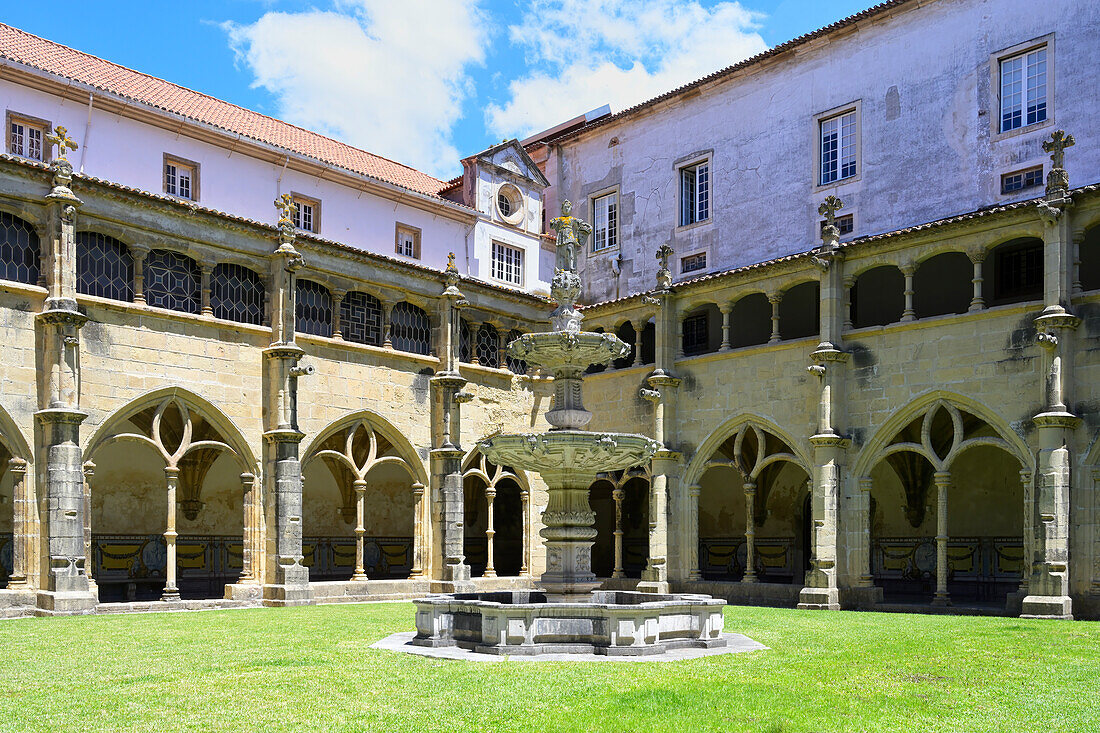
(700, 462)
(11, 437)
(924, 408)
(374, 423)
(497, 502)
(232, 441)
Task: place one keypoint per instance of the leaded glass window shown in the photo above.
(518, 366)
(361, 318)
(465, 342)
(237, 294)
(313, 308)
(488, 346)
(172, 281)
(19, 250)
(104, 267)
(410, 329)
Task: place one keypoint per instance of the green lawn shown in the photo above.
(312, 669)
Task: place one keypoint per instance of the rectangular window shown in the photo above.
(605, 220)
(1024, 89)
(408, 241)
(26, 138)
(838, 147)
(181, 178)
(507, 263)
(695, 334)
(1021, 180)
(306, 213)
(845, 224)
(693, 263)
(694, 193)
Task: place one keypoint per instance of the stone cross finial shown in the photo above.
(1057, 145)
(284, 206)
(451, 262)
(828, 209)
(663, 253)
(60, 138)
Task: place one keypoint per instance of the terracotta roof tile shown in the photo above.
(53, 58)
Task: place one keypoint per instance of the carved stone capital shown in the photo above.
(1065, 420)
(827, 440)
(1057, 321)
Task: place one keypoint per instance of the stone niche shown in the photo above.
(613, 623)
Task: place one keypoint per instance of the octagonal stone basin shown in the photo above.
(613, 623)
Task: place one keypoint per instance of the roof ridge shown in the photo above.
(6, 53)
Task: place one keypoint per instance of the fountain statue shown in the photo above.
(569, 615)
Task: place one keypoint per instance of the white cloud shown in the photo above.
(389, 77)
(620, 52)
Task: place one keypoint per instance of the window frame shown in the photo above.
(516, 198)
(408, 229)
(44, 126)
(994, 105)
(682, 168)
(303, 200)
(592, 199)
(177, 161)
(493, 263)
(1023, 172)
(854, 107)
(698, 270)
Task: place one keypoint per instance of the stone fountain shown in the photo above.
(567, 614)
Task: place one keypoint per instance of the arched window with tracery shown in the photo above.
(172, 281)
(361, 318)
(313, 308)
(410, 329)
(104, 267)
(488, 346)
(237, 294)
(19, 250)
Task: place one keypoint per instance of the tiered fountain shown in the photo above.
(568, 615)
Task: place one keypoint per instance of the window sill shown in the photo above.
(839, 182)
(694, 225)
(1033, 127)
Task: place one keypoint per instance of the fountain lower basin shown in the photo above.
(611, 623)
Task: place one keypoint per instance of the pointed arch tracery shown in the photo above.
(505, 497)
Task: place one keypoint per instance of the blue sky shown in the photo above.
(426, 82)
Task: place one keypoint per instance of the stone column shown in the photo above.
(206, 269)
(829, 446)
(775, 299)
(977, 257)
(337, 299)
(846, 323)
(1095, 586)
(725, 309)
(1078, 240)
(639, 329)
(417, 570)
(65, 589)
(525, 502)
(139, 253)
(665, 474)
(360, 488)
(1026, 475)
(617, 496)
(750, 532)
(171, 588)
(866, 577)
(1048, 586)
(909, 314)
(387, 325)
(249, 547)
(89, 472)
(942, 481)
(287, 579)
(490, 495)
(450, 573)
(694, 492)
(22, 525)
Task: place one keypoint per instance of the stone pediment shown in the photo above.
(511, 160)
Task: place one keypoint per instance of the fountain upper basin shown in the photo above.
(570, 350)
(572, 452)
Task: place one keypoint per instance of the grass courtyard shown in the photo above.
(311, 668)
